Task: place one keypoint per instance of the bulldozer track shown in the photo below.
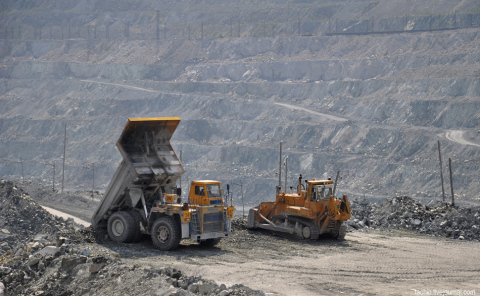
(314, 230)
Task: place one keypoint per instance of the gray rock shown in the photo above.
(5, 270)
(206, 288)
(183, 284)
(176, 274)
(70, 262)
(34, 260)
(223, 293)
(96, 267)
(193, 288)
(48, 250)
(41, 266)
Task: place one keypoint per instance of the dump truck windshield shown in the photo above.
(213, 190)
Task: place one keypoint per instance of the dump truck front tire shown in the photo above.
(121, 227)
(166, 233)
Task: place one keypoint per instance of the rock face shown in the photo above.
(403, 212)
(372, 106)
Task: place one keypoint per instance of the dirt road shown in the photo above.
(322, 115)
(458, 137)
(66, 216)
(379, 263)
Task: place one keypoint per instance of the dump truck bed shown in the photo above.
(148, 160)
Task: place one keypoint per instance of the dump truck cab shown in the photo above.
(211, 218)
(206, 192)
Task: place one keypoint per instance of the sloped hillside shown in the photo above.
(364, 87)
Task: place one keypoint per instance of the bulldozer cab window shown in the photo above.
(213, 190)
(321, 192)
(199, 190)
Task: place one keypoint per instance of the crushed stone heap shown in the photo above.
(21, 218)
(403, 212)
(45, 255)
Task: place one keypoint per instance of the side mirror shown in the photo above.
(228, 188)
(179, 191)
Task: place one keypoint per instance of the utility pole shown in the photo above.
(286, 172)
(188, 188)
(181, 154)
(451, 179)
(241, 189)
(243, 202)
(23, 175)
(280, 171)
(335, 185)
(441, 170)
(53, 182)
(93, 178)
(157, 19)
(64, 150)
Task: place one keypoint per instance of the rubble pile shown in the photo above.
(46, 255)
(21, 218)
(44, 268)
(461, 224)
(403, 212)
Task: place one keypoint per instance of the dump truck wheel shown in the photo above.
(208, 243)
(137, 217)
(166, 234)
(121, 227)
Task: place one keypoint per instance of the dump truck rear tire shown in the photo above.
(166, 233)
(208, 243)
(137, 217)
(121, 227)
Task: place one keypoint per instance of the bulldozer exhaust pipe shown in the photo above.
(299, 188)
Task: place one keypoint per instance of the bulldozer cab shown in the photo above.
(319, 190)
(205, 193)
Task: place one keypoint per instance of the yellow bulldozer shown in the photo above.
(306, 214)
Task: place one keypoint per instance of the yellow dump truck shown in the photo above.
(142, 197)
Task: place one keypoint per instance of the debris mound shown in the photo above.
(403, 212)
(45, 255)
(461, 224)
(21, 218)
